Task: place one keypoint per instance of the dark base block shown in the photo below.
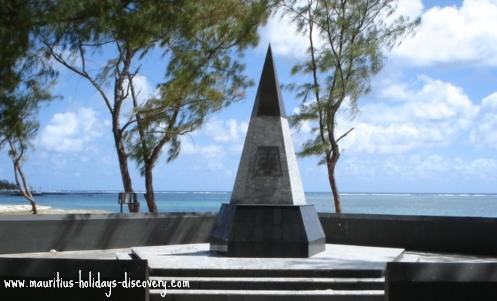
(435, 281)
(267, 231)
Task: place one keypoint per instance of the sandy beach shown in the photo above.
(7, 209)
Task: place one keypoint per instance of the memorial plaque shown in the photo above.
(267, 162)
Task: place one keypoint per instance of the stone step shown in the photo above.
(268, 273)
(263, 283)
(123, 256)
(266, 295)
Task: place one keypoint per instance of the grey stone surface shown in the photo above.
(339, 273)
(433, 234)
(411, 256)
(269, 295)
(268, 172)
(65, 232)
(80, 254)
(436, 234)
(197, 256)
(268, 101)
(267, 231)
(433, 276)
(283, 187)
(280, 283)
(268, 176)
(408, 281)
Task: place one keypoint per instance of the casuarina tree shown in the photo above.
(25, 78)
(347, 41)
(197, 39)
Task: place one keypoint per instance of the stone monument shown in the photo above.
(268, 215)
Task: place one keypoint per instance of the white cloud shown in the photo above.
(225, 130)
(484, 130)
(435, 166)
(451, 34)
(219, 141)
(209, 151)
(409, 8)
(143, 89)
(209, 157)
(394, 91)
(446, 35)
(70, 131)
(431, 166)
(433, 115)
(285, 40)
(228, 136)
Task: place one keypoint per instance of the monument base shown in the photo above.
(267, 231)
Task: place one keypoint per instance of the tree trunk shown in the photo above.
(31, 201)
(331, 164)
(33, 206)
(123, 166)
(148, 174)
(23, 186)
(119, 97)
(149, 186)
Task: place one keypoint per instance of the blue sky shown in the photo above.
(429, 124)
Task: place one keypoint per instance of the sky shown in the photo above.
(428, 125)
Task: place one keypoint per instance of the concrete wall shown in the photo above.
(85, 232)
(464, 235)
(20, 234)
(440, 281)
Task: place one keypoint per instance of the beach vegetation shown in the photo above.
(203, 76)
(347, 43)
(197, 41)
(25, 80)
(7, 186)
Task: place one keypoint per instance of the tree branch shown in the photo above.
(81, 73)
(345, 134)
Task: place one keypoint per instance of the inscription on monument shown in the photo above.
(267, 162)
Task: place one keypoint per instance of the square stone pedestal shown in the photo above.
(267, 231)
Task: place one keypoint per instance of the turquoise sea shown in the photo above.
(445, 204)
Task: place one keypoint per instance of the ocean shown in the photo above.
(441, 204)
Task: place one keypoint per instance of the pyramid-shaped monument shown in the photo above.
(268, 215)
(268, 172)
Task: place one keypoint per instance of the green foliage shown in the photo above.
(202, 75)
(19, 22)
(199, 40)
(25, 76)
(24, 80)
(18, 110)
(347, 41)
(18, 123)
(15, 24)
(6, 185)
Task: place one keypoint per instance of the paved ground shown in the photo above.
(409, 256)
(341, 255)
(89, 254)
(197, 256)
